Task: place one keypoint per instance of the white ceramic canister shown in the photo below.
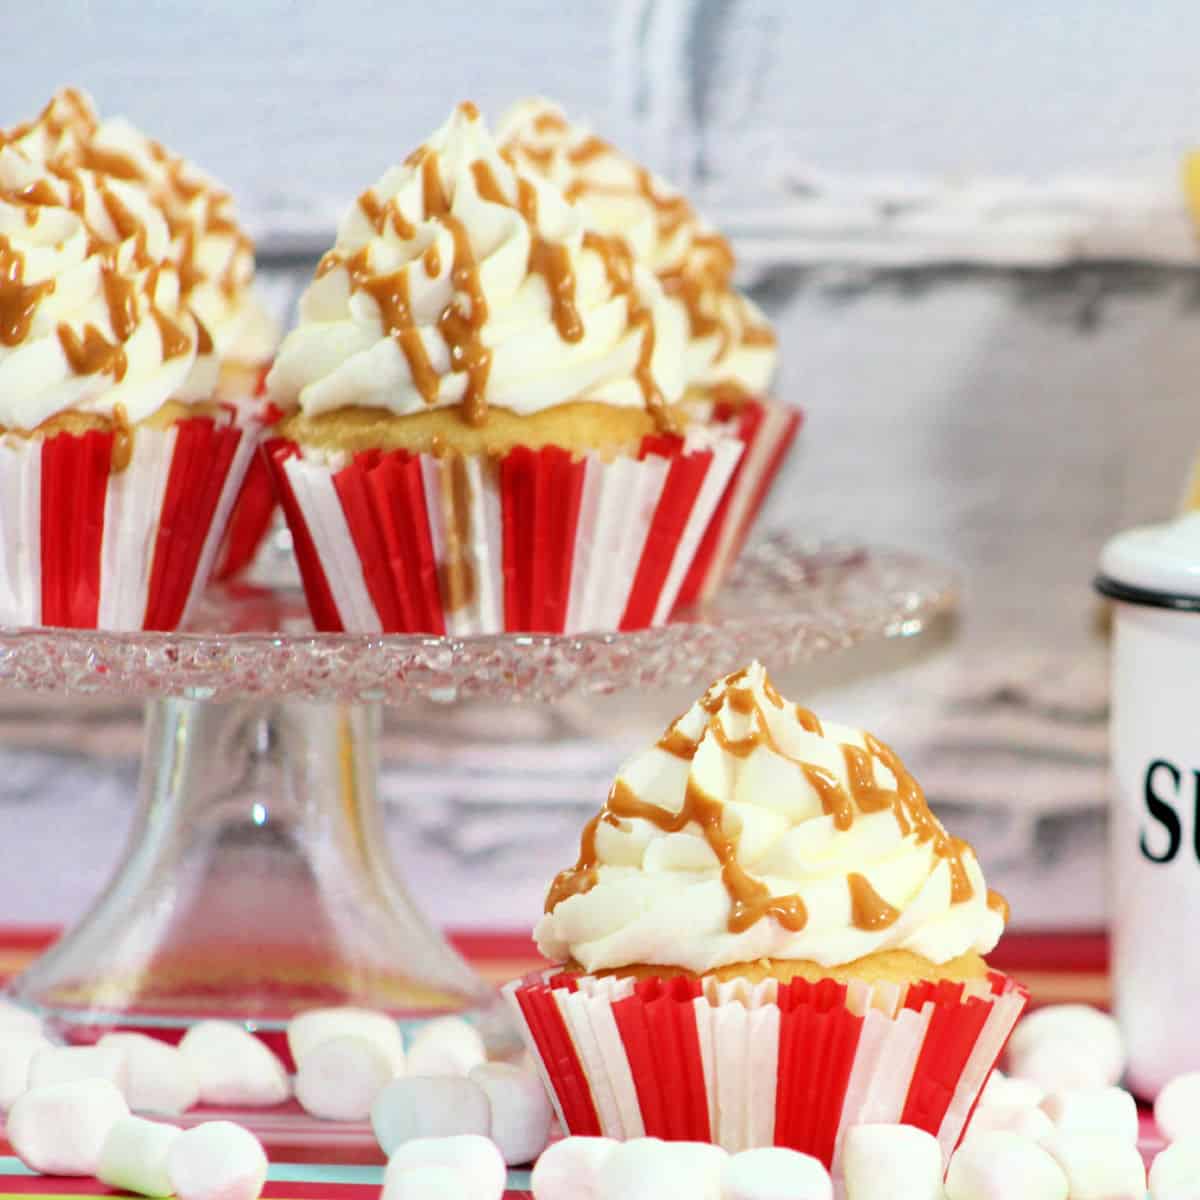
(1153, 576)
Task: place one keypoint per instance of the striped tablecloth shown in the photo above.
(318, 1160)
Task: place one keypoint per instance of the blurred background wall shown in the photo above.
(965, 219)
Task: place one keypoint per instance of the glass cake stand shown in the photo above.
(256, 881)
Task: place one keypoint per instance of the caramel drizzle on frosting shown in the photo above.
(750, 899)
(460, 324)
(707, 274)
(18, 299)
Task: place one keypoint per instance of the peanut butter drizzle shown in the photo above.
(121, 297)
(122, 445)
(997, 903)
(18, 300)
(378, 213)
(204, 342)
(432, 259)
(807, 720)
(868, 909)
(174, 341)
(109, 162)
(751, 899)
(456, 574)
(93, 353)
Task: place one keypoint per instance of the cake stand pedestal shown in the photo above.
(256, 881)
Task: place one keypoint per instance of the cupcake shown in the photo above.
(768, 937)
(215, 261)
(118, 462)
(730, 353)
(485, 428)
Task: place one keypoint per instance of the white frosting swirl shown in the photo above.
(214, 255)
(457, 281)
(91, 317)
(730, 342)
(745, 760)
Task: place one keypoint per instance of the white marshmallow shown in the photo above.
(474, 1157)
(569, 1169)
(1003, 1166)
(233, 1067)
(15, 1019)
(159, 1076)
(1099, 1166)
(62, 1064)
(447, 1046)
(1177, 1107)
(1067, 1046)
(217, 1161)
(431, 1183)
(1001, 1089)
(649, 1169)
(17, 1051)
(60, 1128)
(900, 1162)
(520, 1110)
(1109, 1110)
(429, 1107)
(1011, 1118)
(309, 1029)
(1175, 1173)
(134, 1156)
(340, 1079)
(772, 1173)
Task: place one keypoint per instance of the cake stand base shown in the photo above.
(256, 883)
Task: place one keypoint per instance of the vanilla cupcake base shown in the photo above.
(744, 1063)
(108, 527)
(530, 540)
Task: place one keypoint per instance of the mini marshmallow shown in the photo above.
(447, 1046)
(900, 1162)
(17, 1051)
(1175, 1173)
(309, 1029)
(60, 1128)
(772, 1173)
(520, 1110)
(217, 1161)
(569, 1169)
(1099, 1166)
(649, 1169)
(431, 1183)
(1003, 1090)
(1002, 1166)
(62, 1064)
(339, 1080)
(1177, 1108)
(1026, 1122)
(159, 1076)
(15, 1019)
(424, 1107)
(233, 1067)
(474, 1157)
(1109, 1110)
(1067, 1046)
(134, 1156)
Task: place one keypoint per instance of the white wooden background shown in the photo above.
(1004, 420)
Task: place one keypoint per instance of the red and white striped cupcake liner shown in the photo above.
(767, 1064)
(767, 432)
(87, 547)
(536, 541)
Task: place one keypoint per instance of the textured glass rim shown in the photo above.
(786, 600)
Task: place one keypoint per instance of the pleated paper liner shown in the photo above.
(87, 546)
(746, 1065)
(535, 541)
(254, 508)
(767, 432)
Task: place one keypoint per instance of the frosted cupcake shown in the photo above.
(768, 937)
(730, 348)
(117, 462)
(215, 265)
(485, 428)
